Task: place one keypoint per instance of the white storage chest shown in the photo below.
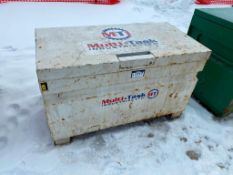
(98, 77)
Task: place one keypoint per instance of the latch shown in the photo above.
(43, 86)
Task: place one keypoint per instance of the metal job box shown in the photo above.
(98, 77)
(214, 29)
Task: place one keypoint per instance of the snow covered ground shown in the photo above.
(195, 144)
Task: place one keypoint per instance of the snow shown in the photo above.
(158, 147)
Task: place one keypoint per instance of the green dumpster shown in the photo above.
(214, 29)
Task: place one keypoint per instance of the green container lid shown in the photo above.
(222, 16)
(215, 25)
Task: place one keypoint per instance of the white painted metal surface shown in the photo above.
(98, 77)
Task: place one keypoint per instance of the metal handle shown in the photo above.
(133, 54)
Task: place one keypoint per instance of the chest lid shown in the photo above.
(84, 51)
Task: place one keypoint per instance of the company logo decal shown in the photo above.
(121, 38)
(116, 34)
(130, 98)
(153, 93)
(122, 44)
